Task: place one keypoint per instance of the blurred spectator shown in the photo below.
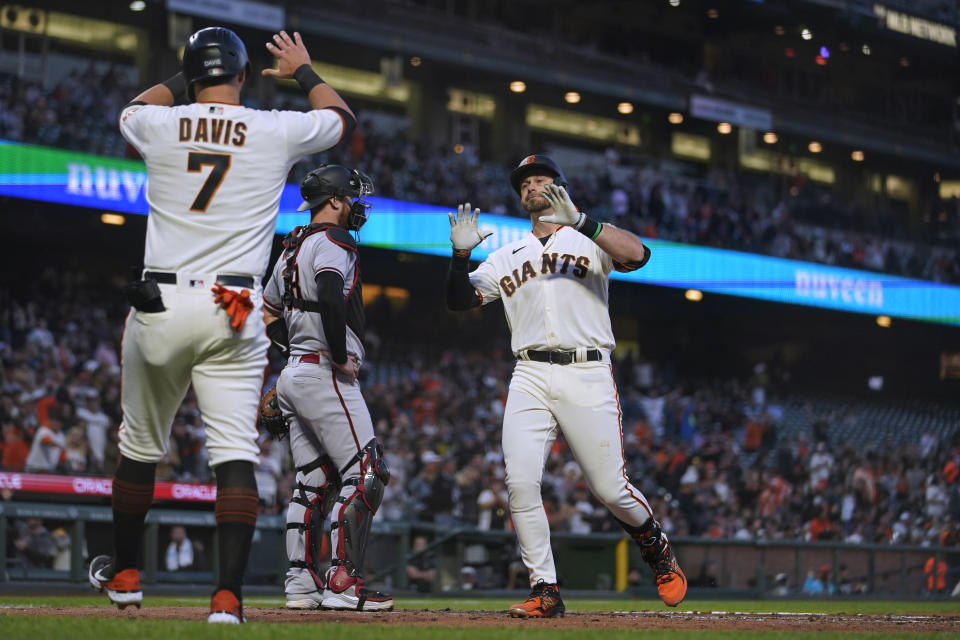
(422, 568)
(14, 447)
(47, 452)
(34, 545)
(179, 555)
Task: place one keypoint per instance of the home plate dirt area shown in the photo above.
(690, 620)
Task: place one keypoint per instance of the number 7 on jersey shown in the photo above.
(220, 163)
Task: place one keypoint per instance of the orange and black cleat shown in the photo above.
(656, 551)
(225, 608)
(122, 587)
(544, 602)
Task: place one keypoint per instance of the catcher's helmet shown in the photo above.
(335, 181)
(537, 165)
(214, 52)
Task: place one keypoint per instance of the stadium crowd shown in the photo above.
(786, 217)
(705, 452)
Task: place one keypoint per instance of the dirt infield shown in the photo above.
(684, 620)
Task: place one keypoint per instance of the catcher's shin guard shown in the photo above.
(359, 500)
(317, 488)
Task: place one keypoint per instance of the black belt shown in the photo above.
(562, 357)
(166, 277)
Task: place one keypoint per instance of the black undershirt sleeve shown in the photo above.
(461, 295)
(333, 313)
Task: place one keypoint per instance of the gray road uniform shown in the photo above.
(339, 461)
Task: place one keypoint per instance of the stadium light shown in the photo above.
(625, 108)
(713, 14)
(138, 5)
(824, 52)
(856, 155)
(865, 49)
(724, 128)
(884, 321)
(815, 147)
(415, 61)
(904, 62)
(693, 295)
(458, 149)
(806, 34)
(572, 97)
(518, 86)
(770, 137)
(779, 30)
(114, 219)
(675, 118)
(674, 3)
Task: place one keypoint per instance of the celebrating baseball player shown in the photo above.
(554, 287)
(216, 171)
(313, 306)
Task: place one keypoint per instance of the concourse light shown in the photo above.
(572, 97)
(806, 34)
(625, 108)
(675, 118)
(114, 219)
(693, 295)
(865, 49)
(884, 321)
(415, 61)
(518, 86)
(138, 5)
(856, 155)
(724, 128)
(770, 137)
(815, 147)
(674, 3)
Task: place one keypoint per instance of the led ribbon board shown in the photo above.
(66, 177)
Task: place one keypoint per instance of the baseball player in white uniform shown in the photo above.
(554, 287)
(313, 305)
(216, 170)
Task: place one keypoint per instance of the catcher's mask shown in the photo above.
(335, 181)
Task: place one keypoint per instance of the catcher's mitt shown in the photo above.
(271, 418)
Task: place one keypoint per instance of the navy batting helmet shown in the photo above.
(335, 181)
(537, 165)
(214, 52)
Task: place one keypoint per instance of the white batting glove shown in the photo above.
(464, 233)
(564, 212)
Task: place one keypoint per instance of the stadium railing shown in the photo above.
(596, 561)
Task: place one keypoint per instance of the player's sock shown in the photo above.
(132, 497)
(236, 512)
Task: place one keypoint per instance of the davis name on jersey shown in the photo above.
(216, 172)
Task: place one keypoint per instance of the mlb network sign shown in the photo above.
(113, 184)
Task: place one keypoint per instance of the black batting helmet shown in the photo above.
(335, 181)
(214, 52)
(537, 165)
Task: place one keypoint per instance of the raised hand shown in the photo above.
(290, 55)
(464, 233)
(564, 211)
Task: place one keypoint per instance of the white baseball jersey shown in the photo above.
(317, 253)
(216, 174)
(554, 295)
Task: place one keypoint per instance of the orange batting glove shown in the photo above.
(237, 305)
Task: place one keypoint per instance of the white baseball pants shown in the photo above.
(581, 401)
(192, 341)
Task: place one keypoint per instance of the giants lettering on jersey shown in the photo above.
(550, 263)
(216, 130)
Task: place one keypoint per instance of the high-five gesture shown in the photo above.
(290, 54)
(464, 233)
(564, 211)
